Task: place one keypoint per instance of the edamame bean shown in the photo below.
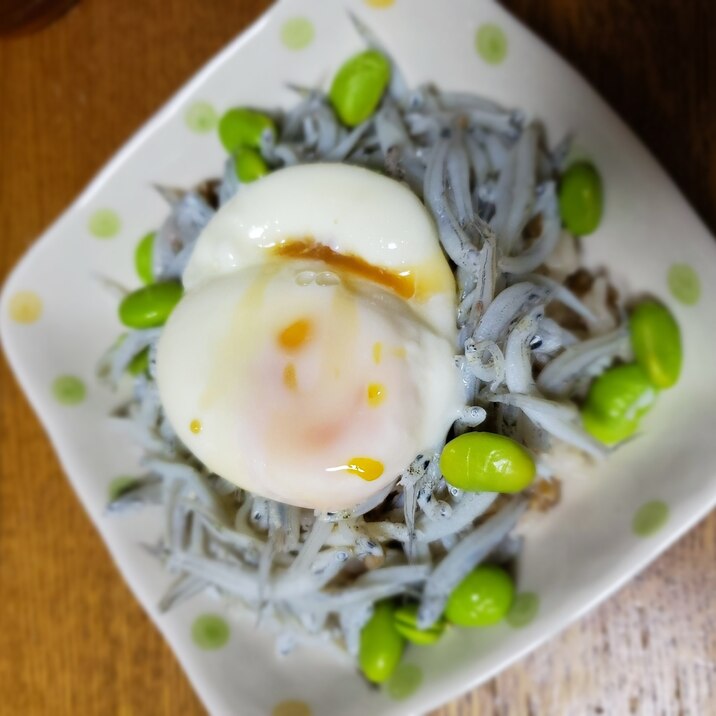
(358, 86)
(139, 364)
(381, 646)
(616, 402)
(488, 462)
(581, 198)
(143, 257)
(656, 340)
(249, 165)
(243, 127)
(406, 622)
(483, 598)
(150, 306)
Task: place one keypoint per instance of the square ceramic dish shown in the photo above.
(56, 321)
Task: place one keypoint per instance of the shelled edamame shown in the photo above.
(150, 306)
(406, 622)
(243, 127)
(143, 257)
(358, 86)
(250, 165)
(581, 198)
(482, 461)
(483, 598)
(656, 342)
(381, 645)
(620, 397)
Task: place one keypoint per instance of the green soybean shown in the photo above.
(359, 86)
(483, 598)
(143, 257)
(150, 306)
(406, 622)
(616, 402)
(581, 198)
(488, 462)
(140, 363)
(656, 341)
(243, 127)
(381, 646)
(249, 165)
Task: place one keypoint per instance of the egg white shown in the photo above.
(330, 420)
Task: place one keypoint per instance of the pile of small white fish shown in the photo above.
(486, 175)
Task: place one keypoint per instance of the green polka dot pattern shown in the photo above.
(210, 631)
(524, 609)
(104, 224)
(68, 390)
(491, 43)
(650, 518)
(684, 284)
(297, 33)
(405, 681)
(201, 117)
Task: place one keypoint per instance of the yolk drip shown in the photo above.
(402, 283)
(365, 467)
(195, 426)
(376, 394)
(377, 353)
(289, 377)
(295, 335)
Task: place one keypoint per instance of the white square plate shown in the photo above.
(56, 320)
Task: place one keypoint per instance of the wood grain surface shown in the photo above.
(72, 639)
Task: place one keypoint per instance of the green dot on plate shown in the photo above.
(297, 33)
(201, 117)
(119, 486)
(68, 390)
(104, 224)
(405, 681)
(650, 518)
(491, 43)
(523, 610)
(684, 284)
(210, 631)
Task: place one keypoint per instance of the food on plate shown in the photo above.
(357, 354)
(482, 598)
(656, 342)
(616, 402)
(317, 327)
(580, 198)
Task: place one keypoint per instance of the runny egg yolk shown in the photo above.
(365, 467)
(376, 394)
(295, 335)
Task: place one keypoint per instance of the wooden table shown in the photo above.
(72, 639)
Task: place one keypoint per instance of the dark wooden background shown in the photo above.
(72, 639)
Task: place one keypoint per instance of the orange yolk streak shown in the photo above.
(402, 283)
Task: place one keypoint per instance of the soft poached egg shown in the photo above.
(312, 356)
